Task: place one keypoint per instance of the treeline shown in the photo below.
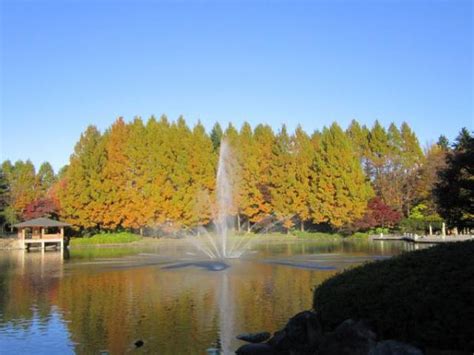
(160, 174)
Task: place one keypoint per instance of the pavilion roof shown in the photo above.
(41, 222)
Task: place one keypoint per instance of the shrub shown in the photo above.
(319, 235)
(106, 238)
(359, 235)
(420, 226)
(424, 297)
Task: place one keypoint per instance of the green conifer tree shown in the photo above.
(79, 189)
(46, 178)
(263, 143)
(283, 180)
(341, 192)
(303, 153)
(216, 136)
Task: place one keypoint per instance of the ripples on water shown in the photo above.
(105, 300)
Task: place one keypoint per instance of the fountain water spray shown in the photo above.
(221, 245)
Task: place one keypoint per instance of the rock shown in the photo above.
(393, 347)
(350, 337)
(256, 349)
(304, 332)
(139, 343)
(361, 328)
(280, 341)
(301, 335)
(254, 337)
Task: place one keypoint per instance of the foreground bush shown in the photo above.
(110, 238)
(423, 297)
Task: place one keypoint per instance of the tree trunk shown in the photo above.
(302, 226)
(238, 222)
(248, 226)
(141, 231)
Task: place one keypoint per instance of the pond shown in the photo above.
(105, 299)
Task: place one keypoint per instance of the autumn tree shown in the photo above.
(79, 191)
(41, 207)
(303, 155)
(231, 136)
(202, 172)
(283, 180)
(378, 214)
(46, 178)
(137, 187)
(248, 163)
(216, 136)
(263, 141)
(340, 193)
(4, 197)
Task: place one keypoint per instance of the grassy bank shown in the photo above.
(321, 235)
(125, 237)
(109, 238)
(423, 297)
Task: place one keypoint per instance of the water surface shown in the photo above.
(105, 299)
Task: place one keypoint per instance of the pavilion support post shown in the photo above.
(23, 236)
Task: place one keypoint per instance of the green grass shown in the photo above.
(94, 253)
(109, 238)
(316, 235)
(423, 297)
(359, 235)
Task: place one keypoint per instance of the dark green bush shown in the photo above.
(420, 226)
(424, 297)
(106, 238)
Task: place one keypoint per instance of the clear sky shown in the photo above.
(66, 64)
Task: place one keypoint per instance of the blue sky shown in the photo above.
(67, 64)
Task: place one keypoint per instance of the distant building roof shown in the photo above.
(41, 222)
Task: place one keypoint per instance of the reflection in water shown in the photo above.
(108, 299)
(209, 265)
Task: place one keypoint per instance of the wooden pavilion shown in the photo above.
(41, 231)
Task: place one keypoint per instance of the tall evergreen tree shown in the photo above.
(248, 162)
(114, 179)
(341, 192)
(202, 172)
(216, 136)
(4, 197)
(79, 190)
(443, 142)
(303, 158)
(263, 140)
(138, 213)
(358, 135)
(231, 135)
(24, 188)
(157, 169)
(46, 177)
(283, 180)
(454, 190)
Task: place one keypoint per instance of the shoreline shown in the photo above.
(10, 243)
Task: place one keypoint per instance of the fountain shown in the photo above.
(220, 245)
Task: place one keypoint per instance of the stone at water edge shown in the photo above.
(393, 347)
(280, 341)
(139, 343)
(361, 328)
(349, 338)
(256, 349)
(304, 331)
(301, 334)
(254, 337)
